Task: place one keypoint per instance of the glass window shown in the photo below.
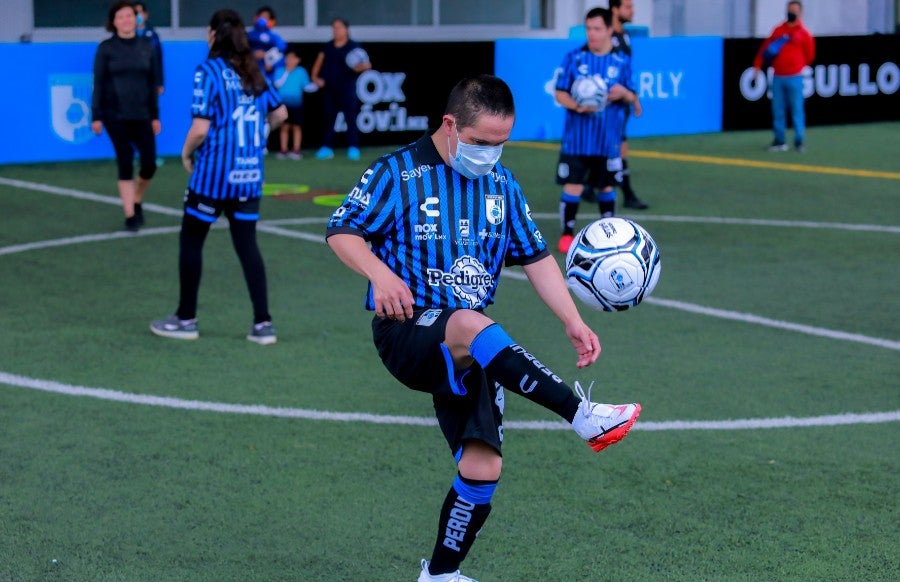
(483, 12)
(78, 14)
(198, 12)
(376, 12)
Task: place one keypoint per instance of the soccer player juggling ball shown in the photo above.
(442, 216)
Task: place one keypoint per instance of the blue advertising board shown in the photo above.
(679, 82)
(48, 115)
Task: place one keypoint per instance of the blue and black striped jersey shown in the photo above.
(599, 134)
(446, 236)
(229, 161)
(621, 42)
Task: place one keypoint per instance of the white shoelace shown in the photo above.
(586, 405)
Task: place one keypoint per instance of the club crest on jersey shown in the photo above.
(468, 279)
(464, 229)
(612, 72)
(494, 206)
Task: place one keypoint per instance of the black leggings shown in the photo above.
(190, 265)
(128, 135)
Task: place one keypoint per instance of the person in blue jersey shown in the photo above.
(125, 102)
(223, 152)
(145, 29)
(623, 13)
(335, 70)
(443, 216)
(268, 46)
(290, 86)
(596, 89)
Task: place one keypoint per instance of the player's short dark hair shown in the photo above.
(142, 6)
(343, 21)
(797, 2)
(113, 8)
(615, 4)
(268, 9)
(604, 13)
(475, 96)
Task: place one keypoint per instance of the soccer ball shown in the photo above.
(590, 92)
(356, 57)
(613, 264)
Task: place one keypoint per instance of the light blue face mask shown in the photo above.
(474, 161)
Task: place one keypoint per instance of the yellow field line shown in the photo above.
(736, 162)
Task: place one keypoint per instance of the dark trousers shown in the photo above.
(128, 135)
(343, 100)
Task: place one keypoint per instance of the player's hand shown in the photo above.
(393, 299)
(97, 127)
(617, 93)
(585, 110)
(188, 162)
(585, 341)
(157, 126)
(637, 108)
(319, 81)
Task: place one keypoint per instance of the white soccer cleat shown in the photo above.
(426, 576)
(601, 425)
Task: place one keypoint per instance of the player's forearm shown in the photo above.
(547, 280)
(277, 117)
(353, 251)
(191, 143)
(566, 100)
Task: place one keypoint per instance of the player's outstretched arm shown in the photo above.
(393, 299)
(546, 278)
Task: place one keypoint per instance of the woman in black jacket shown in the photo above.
(125, 103)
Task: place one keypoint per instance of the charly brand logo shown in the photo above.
(70, 109)
(376, 87)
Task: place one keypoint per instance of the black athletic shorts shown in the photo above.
(468, 404)
(208, 209)
(595, 171)
(295, 115)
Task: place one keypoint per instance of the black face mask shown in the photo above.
(792, 17)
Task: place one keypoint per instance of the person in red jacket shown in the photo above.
(788, 50)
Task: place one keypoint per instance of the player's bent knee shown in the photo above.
(463, 326)
(480, 462)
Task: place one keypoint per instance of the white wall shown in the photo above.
(16, 19)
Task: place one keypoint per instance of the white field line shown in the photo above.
(270, 411)
(271, 227)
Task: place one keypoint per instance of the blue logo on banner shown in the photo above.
(70, 107)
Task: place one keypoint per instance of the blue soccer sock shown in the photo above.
(512, 366)
(606, 200)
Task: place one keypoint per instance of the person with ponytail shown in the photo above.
(223, 153)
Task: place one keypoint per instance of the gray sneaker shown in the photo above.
(262, 333)
(175, 328)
